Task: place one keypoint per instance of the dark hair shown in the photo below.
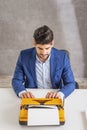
(43, 35)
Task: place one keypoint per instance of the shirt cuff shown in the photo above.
(61, 96)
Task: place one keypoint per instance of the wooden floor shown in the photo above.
(5, 81)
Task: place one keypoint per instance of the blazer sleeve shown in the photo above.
(67, 77)
(18, 77)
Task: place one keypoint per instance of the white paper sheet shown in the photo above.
(43, 115)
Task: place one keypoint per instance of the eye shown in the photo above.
(48, 48)
(40, 48)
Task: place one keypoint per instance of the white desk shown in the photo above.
(75, 105)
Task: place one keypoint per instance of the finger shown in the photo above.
(24, 95)
(50, 95)
(54, 95)
(47, 95)
(28, 95)
(31, 95)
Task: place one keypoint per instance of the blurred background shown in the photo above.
(19, 19)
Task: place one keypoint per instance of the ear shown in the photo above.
(34, 43)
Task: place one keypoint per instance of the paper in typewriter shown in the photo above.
(43, 115)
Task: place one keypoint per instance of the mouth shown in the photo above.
(43, 55)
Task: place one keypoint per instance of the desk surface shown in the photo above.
(75, 106)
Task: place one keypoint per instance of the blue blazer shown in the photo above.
(60, 71)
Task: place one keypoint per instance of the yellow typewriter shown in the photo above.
(41, 111)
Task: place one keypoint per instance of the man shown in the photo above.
(43, 66)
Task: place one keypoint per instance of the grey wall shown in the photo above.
(19, 19)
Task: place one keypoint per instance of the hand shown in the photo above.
(52, 95)
(27, 95)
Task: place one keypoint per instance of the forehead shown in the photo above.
(43, 46)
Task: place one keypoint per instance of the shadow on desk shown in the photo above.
(84, 120)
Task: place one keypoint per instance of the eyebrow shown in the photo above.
(42, 48)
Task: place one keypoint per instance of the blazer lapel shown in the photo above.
(53, 65)
(32, 66)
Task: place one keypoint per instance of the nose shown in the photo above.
(43, 51)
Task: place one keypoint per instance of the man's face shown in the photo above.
(43, 51)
